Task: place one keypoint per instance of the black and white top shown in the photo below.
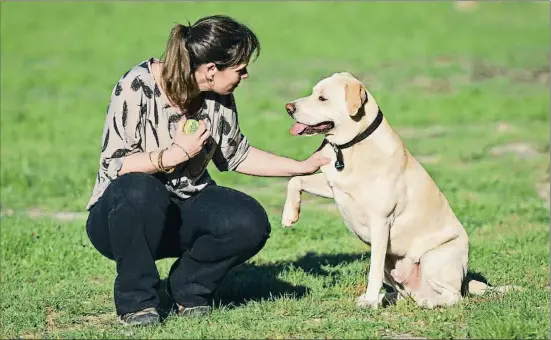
(139, 119)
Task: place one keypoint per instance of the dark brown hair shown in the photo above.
(218, 39)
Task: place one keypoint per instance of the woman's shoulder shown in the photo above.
(136, 74)
(137, 78)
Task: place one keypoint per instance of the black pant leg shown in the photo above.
(127, 225)
(221, 228)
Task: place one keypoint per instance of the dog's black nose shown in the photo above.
(290, 108)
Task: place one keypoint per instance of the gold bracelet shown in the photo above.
(153, 163)
(160, 163)
(182, 148)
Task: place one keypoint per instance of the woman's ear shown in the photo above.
(210, 70)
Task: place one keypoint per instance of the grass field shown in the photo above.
(468, 90)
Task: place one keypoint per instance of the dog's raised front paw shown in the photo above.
(289, 216)
(366, 301)
(287, 222)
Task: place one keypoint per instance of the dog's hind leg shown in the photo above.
(315, 184)
(442, 273)
(423, 244)
(436, 293)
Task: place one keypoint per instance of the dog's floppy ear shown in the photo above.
(355, 96)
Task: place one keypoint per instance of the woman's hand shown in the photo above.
(193, 143)
(313, 163)
(187, 146)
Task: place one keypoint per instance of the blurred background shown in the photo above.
(427, 64)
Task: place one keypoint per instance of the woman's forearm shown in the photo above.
(141, 162)
(262, 163)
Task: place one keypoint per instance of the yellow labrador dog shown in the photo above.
(385, 196)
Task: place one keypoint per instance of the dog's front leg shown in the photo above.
(380, 233)
(315, 184)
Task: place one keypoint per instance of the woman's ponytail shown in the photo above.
(177, 74)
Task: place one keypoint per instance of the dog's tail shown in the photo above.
(477, 288)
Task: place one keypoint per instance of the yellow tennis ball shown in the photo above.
(190, 126)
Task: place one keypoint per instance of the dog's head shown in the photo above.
(340, 107)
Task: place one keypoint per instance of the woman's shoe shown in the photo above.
(144, 317)
(194, 311)
(186, 311)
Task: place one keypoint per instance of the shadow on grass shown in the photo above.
(253, 282)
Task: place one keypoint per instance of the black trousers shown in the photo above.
(136, 221)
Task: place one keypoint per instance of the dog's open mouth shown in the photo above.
(303, 129)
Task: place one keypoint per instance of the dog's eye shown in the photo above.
(322, 98)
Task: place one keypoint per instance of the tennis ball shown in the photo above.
(190, 126)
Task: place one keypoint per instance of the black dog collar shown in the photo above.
(339, 163)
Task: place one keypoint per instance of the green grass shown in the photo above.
(454, 84)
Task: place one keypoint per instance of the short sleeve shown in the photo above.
(234, 146)
(123, 128)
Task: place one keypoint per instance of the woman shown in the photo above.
(153, 197)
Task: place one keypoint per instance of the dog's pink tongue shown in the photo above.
(297, 129)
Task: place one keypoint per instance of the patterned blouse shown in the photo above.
(139, 119)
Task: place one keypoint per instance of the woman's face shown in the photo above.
(225, 81)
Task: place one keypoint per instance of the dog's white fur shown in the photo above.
(385, 196)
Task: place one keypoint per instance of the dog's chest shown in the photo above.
(349, 190)
(354, 213)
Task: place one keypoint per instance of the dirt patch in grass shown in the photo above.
(49, 322)
(480, 70)
(53, 326)
(520, 150)
(49, 326)
(104, 319)
(437, 131)
(462, 71)
(66, 216)
(432, 131)
(428, 159)
(391, 335)
(474, 71)
(435, 85)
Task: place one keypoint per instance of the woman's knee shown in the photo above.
(250, 224)
(236, 221)
(140, 190)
